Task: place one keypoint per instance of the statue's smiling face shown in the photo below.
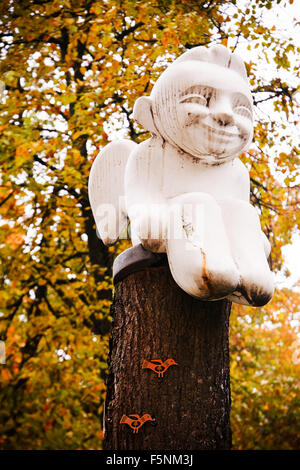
(210, 116)
(216, 122)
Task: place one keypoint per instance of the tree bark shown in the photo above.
(155, 319)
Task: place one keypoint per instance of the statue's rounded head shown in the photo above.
(202, 105)
(218, 55)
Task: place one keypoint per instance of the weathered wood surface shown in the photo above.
(155, 319)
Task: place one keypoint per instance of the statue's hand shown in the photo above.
(150, 226)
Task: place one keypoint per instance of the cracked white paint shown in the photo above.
(186, 191)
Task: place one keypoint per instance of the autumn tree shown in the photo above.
(265, 360)
(72, 70)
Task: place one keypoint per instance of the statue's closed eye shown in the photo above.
(194, 98)
(243, 111)
(198, 94)
(242, 106)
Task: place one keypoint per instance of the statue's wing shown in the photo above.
(106, 190)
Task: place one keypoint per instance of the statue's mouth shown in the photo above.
(221, 132)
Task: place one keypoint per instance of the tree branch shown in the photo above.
(126, 32)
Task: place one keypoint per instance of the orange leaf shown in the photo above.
(5, 374)
(15, 240)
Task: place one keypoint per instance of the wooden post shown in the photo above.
(155, 319)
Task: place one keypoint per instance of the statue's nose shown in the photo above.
(223, 118)
(221, 112)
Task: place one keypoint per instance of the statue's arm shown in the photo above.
(243, 181)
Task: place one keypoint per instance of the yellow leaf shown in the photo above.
(224, 41)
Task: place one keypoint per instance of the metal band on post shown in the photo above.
(135, 259)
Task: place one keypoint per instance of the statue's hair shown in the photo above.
(217, 55)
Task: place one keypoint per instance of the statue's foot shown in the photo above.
(247, 245)
(256, 290)
(198, 274)
(198, 249)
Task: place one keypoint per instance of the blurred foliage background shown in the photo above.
(71, 72)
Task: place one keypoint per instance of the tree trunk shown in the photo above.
(154, 319)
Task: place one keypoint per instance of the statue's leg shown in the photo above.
(198, 249)
(247, 246)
